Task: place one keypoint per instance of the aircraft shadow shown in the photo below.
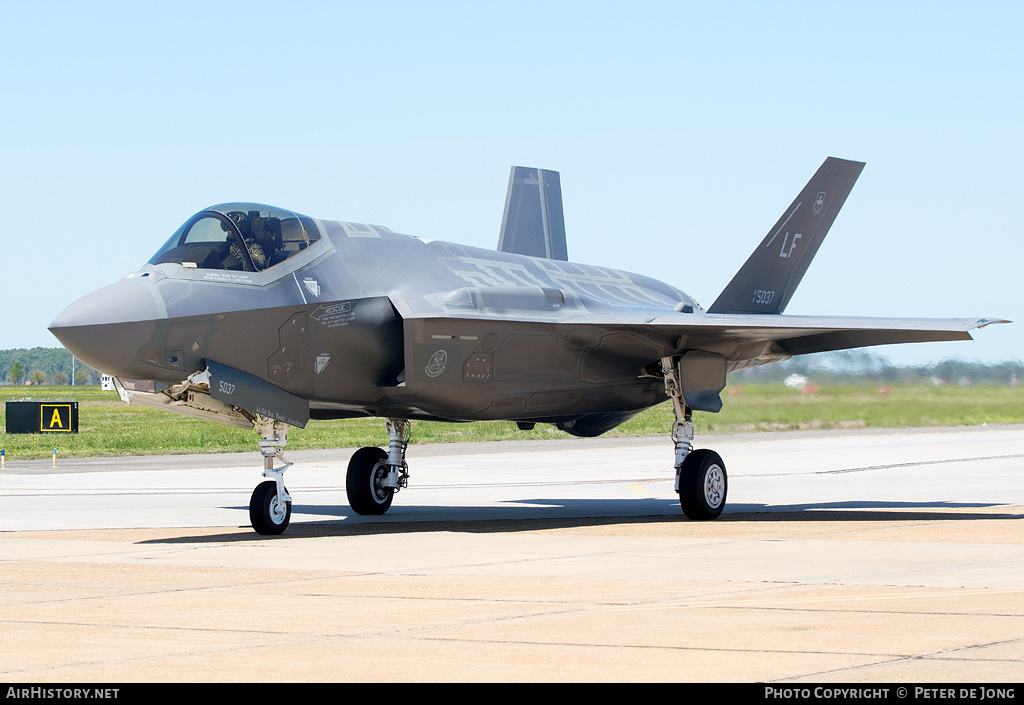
(513, 519)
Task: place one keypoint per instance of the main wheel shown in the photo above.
(367, 471)
(266, 514)
(703, 485)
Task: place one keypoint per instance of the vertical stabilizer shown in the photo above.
(767, 280)
(533, 223)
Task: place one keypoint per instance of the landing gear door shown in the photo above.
(702, 375)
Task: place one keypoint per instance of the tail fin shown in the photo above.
(767, 280)
(533, 223)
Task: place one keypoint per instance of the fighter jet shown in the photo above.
(264, 318)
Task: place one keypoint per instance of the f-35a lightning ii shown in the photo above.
(263, 318)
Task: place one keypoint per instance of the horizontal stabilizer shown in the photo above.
(533, 223)
(767, 280)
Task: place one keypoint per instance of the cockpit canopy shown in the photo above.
(245, 237)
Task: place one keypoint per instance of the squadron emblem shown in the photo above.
(437, 362)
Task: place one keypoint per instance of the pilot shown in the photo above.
(256, 252)
(263, 233)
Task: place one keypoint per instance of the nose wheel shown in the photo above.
(268, 515)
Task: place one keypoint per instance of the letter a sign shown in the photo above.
(57, 418)
(42, 417)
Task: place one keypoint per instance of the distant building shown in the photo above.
(107, 383)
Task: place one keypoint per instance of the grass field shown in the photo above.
(107, 426)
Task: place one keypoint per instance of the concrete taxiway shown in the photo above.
(846, 556)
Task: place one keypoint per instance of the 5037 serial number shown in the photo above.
(763, 296)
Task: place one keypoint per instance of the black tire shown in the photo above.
(264, 512)
(703, 485)
(366, 470)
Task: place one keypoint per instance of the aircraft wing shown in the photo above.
(599, 353)
(639, 338)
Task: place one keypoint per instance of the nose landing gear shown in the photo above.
(270, 508)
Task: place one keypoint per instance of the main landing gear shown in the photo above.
(374, 475)
(701, 481)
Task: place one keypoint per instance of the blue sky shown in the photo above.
(681, 131)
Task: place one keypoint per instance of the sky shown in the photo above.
(681, 131)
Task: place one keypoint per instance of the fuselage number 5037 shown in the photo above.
(761, 296)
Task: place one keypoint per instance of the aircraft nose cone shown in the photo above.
(106, 329)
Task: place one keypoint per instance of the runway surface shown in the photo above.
(864, 555)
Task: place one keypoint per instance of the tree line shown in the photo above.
(44, 366)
